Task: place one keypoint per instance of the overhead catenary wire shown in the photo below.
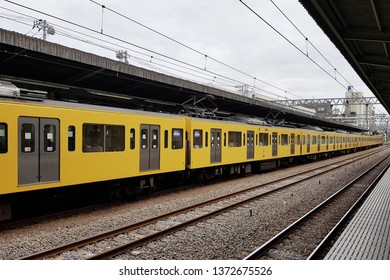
(189, 47)
(309, 42)
(183, 64)
(291, 43)
(162, 55)
(146, 62)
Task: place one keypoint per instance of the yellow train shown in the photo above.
(50, 144)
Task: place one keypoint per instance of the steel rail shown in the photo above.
(71, 246)
(271, 242)
(333, 232)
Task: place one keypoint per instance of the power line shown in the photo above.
(308, 41)
(145, 61)
(190, 48)
(291, 43)
(181, 64)
(214, 75)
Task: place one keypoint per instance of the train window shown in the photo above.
(71, 138)
(243, 140)
(132, 138)
(322, 139)
(114, 138)
(207, 139)
(298, 140)
(177, 138)
(263, 139)
(165, 139)
(314, 138)
(3, 138)
(303, 139)
(93, 135)
(234, 139)
(284, 140)
(224, 139)
(49, 140)
(28, 138)
(198, 138)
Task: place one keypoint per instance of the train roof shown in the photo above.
(83, 106)
(309, 127)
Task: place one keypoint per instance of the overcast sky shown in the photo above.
(224, 30)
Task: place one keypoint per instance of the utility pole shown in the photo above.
(122, 56)
(45, 27)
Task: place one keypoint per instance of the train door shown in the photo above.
(292, 144)
(150, 147)
(318, 143)
(216, 148)
(299, 140)
(250, 148)
(39, 152)
(327, 142)
(274, 144)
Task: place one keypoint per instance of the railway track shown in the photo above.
(121, 240)
(306, 237)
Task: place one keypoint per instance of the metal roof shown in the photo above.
(72, 75)
(360, 29)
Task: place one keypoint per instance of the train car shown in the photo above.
(214, 144)
(311, 146)
(285, 143)
(51, 144)
(47, 144)
(224, 146)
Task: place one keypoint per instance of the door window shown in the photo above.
(28, 138)
(49, 132)
(154, 139)
(144, 138)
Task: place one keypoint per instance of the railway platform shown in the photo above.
(367, 237)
